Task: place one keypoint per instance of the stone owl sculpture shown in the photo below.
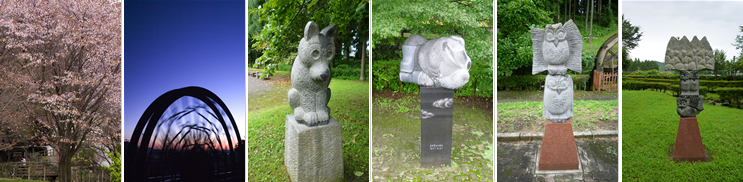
(689, 57)
(557, 49)
(441, 62)
(311, 75)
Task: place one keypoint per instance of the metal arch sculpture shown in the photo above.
(136, 156)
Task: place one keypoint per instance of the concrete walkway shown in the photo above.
(598, 157)
(256, 85)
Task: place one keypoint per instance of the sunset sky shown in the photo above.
(174, 44)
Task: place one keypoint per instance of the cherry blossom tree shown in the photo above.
(64, 57)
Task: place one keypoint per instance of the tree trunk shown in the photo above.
(572, 10)
(585, 26)
(590, 32)
(363, 58)
(566, 11)
(599, 20)
(65, 166)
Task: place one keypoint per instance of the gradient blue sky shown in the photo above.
(174, 44)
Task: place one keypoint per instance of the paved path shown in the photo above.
(598, 157)
(255, 85)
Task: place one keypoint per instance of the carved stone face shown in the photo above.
(558, 98)
(689, 84)
(455, 68)
(445, 62)
(555, 47)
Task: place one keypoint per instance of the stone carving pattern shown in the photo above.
(444, 103)
(311, 75)
(689, 57)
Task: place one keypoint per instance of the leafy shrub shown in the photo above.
(711, 84)
(347, 72)
(641, 85)
(731, 95)
(665, 75)
(675, 88)
(588, 57)
(386, 76)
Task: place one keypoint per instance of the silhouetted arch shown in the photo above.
(136, 156)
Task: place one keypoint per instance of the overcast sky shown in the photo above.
(719, 21)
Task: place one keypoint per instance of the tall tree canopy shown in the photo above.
(395, 20)
(630, 35)
(285, 20)
(470, 19)
(515, 18)
(63, 59)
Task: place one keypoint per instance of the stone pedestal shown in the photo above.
(313, 153)
(437, 110)
(688, 141)
(558, 151)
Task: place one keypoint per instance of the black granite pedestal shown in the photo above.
(437, 109)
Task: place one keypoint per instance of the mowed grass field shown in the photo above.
(649, 127)
(267, 110)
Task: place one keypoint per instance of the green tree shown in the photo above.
(254, 28)
(115, 168)
(719, 56)
(284, 24)
(626, 61)
(631, 35)
(739, 40)
(515, 20)
(470, 19)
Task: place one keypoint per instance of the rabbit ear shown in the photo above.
(310, 30)
(330, 31)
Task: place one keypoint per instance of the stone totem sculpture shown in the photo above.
(313, 145)
(439, 66)
(557, 49)
(689, 57)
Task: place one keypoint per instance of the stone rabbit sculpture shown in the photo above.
(311, 75)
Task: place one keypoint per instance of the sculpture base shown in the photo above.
(436, 126)
(688, 141)
(313, 153)
(558, 151)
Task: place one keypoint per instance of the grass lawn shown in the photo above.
(18, 180)
(267, 110)
(650, 123)
(588, 115)
(596, 42)
(396, 135)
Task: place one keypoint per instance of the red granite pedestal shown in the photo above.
(688, 141)
(558, 150)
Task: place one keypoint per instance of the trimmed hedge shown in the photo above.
(676, 76)
(711, 84)
(675, 89)
(640, 85)
(731, 95)
(386, 76)
(535, 82)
